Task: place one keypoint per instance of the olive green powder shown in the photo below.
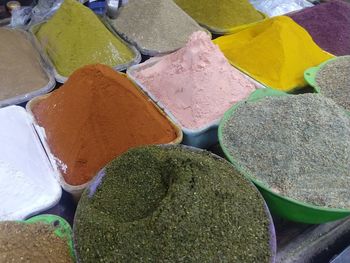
(221, 15)
(31, 243)
(155, 26)
(158, 204)
(334, 81)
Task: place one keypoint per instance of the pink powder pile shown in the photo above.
(196, 83)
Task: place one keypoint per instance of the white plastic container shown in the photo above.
(28, 182)
(44, 62)
(200, 138)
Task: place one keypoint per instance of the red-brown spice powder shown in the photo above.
(94, 117)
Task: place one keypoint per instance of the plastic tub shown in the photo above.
(45, 66)
(77, 190)
(61, 79)
(39, 190)
(311, 73)
(98, 179)
(201, 138)
(282, 206)
(62, 228)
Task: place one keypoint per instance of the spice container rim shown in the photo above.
(57, 196)
(76, 190)
(271, 229)
(280, 204)
(62, 228)
(62, 79)
(311, 73)
(235, 29)
(45, 66)
(144, 51)
(190, 133)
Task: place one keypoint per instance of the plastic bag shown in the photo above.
(279, 7)
(44, 9)
(21, 17)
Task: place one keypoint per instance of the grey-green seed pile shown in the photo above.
(172, 205)
(334, 81)
(299, 146)
(156, 26)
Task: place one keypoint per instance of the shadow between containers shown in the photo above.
(279, 205)
(97, 180)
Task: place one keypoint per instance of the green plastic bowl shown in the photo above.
(279, 205)
(310, 75)
(62, 228)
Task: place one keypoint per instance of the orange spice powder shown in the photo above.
(95, 116)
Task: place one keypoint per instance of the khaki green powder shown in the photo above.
(221, 15)
(171, 205)
(75, 37)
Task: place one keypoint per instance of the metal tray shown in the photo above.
(203, 137)
(62, 79)
(45, 66)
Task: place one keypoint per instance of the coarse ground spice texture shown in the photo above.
(298, 146)
(94, 117)
(334, 81)
(275, 52)
(21, 71)
(75, 37)
(155, 26)
(159, 204)
(328, 24)
(31, 243)
(221, 15)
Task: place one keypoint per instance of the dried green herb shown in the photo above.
(172, 205)
(299, 146)
(334, 81)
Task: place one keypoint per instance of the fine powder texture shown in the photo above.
(334, 81)
(299, 146)
(27, 181)
(75, 37)
(171, 205)
(155, 26)
(21, 71)
(94, 117)
(196, 84)
(329, 25)
(275, 52)
(31, 243)
(221, 15)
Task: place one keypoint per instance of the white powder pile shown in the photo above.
(27, 181)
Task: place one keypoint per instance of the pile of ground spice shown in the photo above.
(328, 24)
(299, 146)
(221, 15)
(334, 81)
(21, 71)
(159, 204)
(275, 52)
(157, 26)
(75, 37)
(196, 83)
(94, 117)
(35, 242)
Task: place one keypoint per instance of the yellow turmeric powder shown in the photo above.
(275, 52)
